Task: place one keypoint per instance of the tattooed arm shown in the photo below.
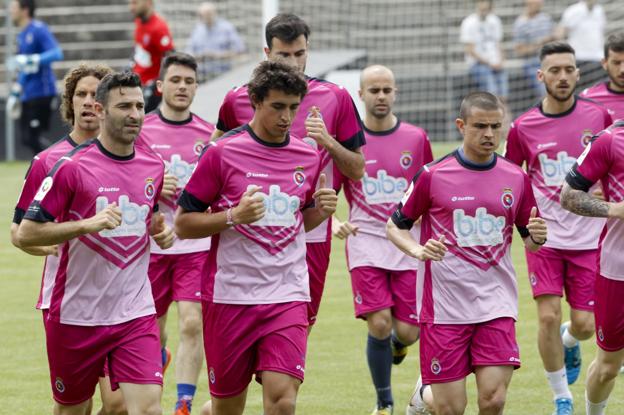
(582, 203)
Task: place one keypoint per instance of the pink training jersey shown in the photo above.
(549, 145)
(102, 277)
(40, 166)
(179, 143)
(612, 100)
(263, 262)
(603, 160)
(392, 157)
(474, 208)
(339, 114)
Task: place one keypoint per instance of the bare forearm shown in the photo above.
(39, 234)
(530, 245)
(31, 250)
(350, 163)
(402, 239)
(195, 225)
(312, 218)
(582, 203)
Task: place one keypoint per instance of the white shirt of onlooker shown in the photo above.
(485, 35)
(585, 29)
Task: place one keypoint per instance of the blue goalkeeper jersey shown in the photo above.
(37, 39)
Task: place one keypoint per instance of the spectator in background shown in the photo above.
(152, 40)
(35, 89)
(532, 29)
(482, 33)
(583, 25)
(214, 42)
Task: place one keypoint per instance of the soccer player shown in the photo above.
(327, 120)
(467, 295)
(36, 85)
(77, 109)
(152, 40)
(178, 136)
(548, 138)
(259, 183)
(382, 278)
(611, 93)
(603, 160)
(101, 308)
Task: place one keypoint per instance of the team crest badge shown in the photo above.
(150, 189)
(436, 368)
(358, 298)
(198, 147)
(211, 375)
(146, 39)
(533, 279)
(586, 137)
(406, 159)
(507, 199)
(299, 176)
(59, 385)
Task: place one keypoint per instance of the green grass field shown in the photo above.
(337, 378)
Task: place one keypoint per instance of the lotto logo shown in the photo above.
(481, 230)
(554, 171)
(280, 207)
(383, 189)
(180, 169)
(133, 217)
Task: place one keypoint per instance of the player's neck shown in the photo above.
(473, 157)
(79, 136)
(263, 134)
(116, 147)
(24, 22)
(380, 124)
(171, 114)
(614, 87)
(553, 106)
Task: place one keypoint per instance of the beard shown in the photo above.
(557, 96)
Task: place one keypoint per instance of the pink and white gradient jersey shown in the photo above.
(549, 145)
(612, 100)
(40, 166)
(179, 143)
(474, 208)
(339, 114)
(263, 262)
(603, 160)
(392, 157)
(102, 277)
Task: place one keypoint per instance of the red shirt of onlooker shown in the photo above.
(152, 40)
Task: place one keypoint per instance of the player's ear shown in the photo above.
(99, 110)
(267, 51)
(159, 86)
(460, 125)
(254, 101)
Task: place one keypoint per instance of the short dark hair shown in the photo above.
(71, 80)
(177, 58)
(615, 42)
(286, 27)
(551, 48)
(480, 99)
(115, 79)
(276, 76)
(29, 5)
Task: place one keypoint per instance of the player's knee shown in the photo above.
(191, 326)
(584, 328)
(606, 371)
(114, 407)
(152, 409)
(284, 405)
(408, 335)
(380, 325)
(456, 407)
(492, 403)
(550, 318)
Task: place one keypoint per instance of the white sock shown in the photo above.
(568, 339)
(559, 383)
(595, 408)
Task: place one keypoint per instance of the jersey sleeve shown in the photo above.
(163, 41)
(34, 176)
(349, 131)
(415, 202)
(427, 152)
(513, 147)
(309, 196)
(226, 121)
(466, 32)
(527, 202)
(55, 194)
(46, 39)
(608, 120)
(593, 164)
(205, 184)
